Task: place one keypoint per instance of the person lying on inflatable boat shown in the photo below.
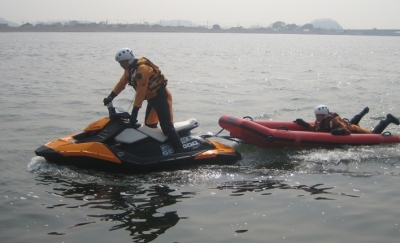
(331, 122)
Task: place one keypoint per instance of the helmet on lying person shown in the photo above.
(322, 110)
(125, 54)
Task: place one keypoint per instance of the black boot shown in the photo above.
(384, 123)
(176, 141)
(357, 118)
(392, 119)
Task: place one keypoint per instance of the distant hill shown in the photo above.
(186, 23)
(4, 21)
(326, 24)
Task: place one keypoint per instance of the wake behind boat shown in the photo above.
(113, 144)
(273, 134)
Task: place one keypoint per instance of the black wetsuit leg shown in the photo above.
(162, 108)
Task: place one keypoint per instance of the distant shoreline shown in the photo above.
(370, 32)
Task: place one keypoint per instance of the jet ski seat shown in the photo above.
(131, 135)
(157, 133)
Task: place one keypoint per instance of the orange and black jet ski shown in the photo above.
(113, 144)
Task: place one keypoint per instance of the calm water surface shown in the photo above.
(53, 84)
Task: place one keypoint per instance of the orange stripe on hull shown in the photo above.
(220, 148)
(207, 154)
(94, 149)
(97, 125)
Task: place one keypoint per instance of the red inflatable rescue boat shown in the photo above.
(273, 134)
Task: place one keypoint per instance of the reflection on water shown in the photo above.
(136, 208)
(264, 186)
(139, 205)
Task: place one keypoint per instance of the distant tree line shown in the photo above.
(319, 26)
(279, 25)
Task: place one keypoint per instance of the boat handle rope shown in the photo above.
(269, 138)
(224, 137)
(282, 127)
(386, 134)
(219, 132)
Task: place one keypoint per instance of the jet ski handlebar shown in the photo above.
(113, 114)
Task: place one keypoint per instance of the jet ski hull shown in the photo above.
(113, 144)
(124, 162)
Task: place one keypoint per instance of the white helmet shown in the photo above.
(125, 54)
(322, 109)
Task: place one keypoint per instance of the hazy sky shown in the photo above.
(350, 14)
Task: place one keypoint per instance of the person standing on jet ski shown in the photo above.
(331, 122)
(150, 84)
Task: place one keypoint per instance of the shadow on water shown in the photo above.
(139, 205)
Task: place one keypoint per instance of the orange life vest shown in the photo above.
(328, 124)
(156, 79)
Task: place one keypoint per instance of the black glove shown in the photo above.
(302, 123)
(110, 98)
(134, 114)
(338, 131)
